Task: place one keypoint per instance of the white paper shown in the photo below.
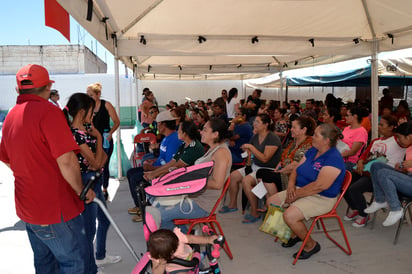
(259, 190)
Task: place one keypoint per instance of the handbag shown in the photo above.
(274, 224)
(368, 165)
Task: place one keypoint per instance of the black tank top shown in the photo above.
(101, 118)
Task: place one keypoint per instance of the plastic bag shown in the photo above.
(113, 161)
(274, 224)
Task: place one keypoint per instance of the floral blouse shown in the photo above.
(81, 138)
(295, 152)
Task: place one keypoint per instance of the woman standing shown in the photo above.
(91, 158)
(103, 112)
(355, 136)
(232, 103)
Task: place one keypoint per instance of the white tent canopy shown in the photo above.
(161, 37)
(239, 37)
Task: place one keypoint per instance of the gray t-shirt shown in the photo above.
(270, 140)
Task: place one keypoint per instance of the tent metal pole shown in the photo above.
(374, 88)
(281, 86)
(117, 92)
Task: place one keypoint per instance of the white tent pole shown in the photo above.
(374, 88)
(281, 86)
(117, 92)
(136, 77)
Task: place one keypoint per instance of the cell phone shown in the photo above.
(88, 126)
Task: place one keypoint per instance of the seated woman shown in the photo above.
(276, 180)
(386, 147)
(265, 146)
(242, 132)
(281, 125)
(186, 155)
(354, 135)
(388, 181)
(199, 205)
(313, 187)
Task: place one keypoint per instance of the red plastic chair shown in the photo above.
(142, 138)
(211, 220)
(331, 214)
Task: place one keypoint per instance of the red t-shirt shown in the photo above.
(35, 134)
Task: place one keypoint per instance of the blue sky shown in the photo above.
(22, 23)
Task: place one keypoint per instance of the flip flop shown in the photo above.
(249, 219)
(226, 209)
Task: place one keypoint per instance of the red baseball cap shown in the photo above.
(34, 76)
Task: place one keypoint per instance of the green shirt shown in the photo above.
(189, 154)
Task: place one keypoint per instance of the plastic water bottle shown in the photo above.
(106, 143)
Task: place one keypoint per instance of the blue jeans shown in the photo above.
(135, 177)
(184, 211)
(60, 248)
(387, 182)
(89, 218)
(103, 224)
(106, 174)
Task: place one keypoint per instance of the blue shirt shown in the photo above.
(168, 147)
(308, 172)
(245, 132)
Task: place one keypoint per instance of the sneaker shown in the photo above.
(360, 221)
(134, 211)
(109, 260)
(137, 218)
(351, 215)
(375, 206)
(393, 217)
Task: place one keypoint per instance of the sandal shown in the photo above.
(226, 209)
(249, 219)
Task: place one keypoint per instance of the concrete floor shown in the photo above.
(254, 251)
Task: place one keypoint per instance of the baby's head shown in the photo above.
(162, 244)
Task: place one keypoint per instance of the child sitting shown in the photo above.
(165, 245)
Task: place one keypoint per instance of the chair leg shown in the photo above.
(372, 221)
(348, 249)
(401, 221)
(305, 240)
(225, 245)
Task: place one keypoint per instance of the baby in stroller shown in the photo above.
(165, 245)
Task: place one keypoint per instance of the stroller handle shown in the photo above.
(89, 184)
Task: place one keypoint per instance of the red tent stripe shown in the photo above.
(57, 17)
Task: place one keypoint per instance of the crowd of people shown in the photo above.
(300, 153)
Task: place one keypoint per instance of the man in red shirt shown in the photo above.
(38, 146)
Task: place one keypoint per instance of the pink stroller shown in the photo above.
(182, 181)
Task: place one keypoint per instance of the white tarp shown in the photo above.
(340, 29)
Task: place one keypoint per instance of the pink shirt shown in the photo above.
(183, 251)
(351, 136)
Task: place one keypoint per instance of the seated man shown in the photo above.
(313, 187)
(168, 147)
